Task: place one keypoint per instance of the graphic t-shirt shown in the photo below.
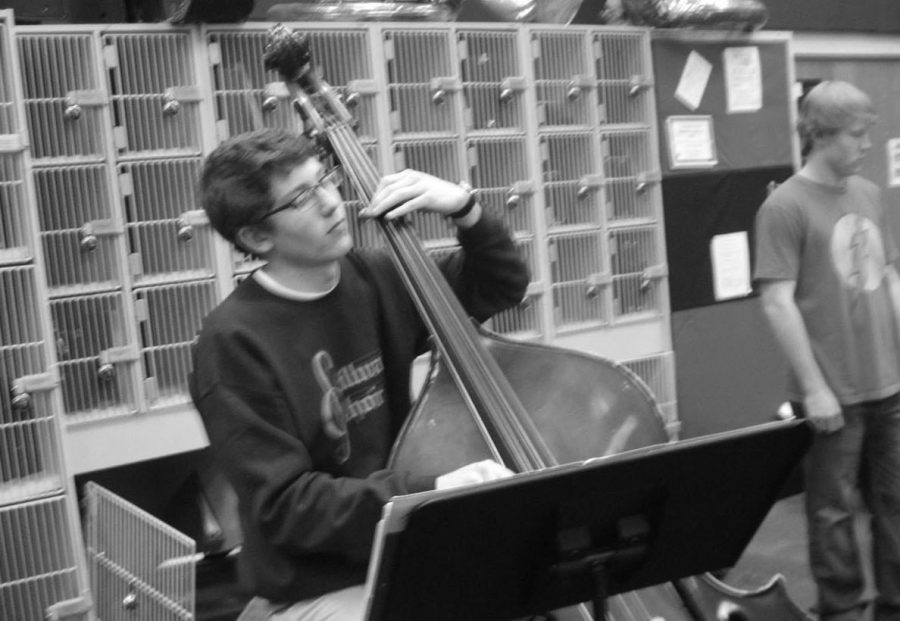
(833, 242)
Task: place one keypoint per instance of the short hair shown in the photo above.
(236, 180)
(830, 107)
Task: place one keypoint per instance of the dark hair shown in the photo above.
(235, 184)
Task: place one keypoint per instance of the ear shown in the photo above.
(255, 238)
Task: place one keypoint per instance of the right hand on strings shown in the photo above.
(410, 190)
(477, 472)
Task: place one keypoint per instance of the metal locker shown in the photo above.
(635, 267)
(154, 92)
(65, 99)
(580, 278)
(79, 232)
(658, 372)
(499, 169)
(492, 79)
(38, 567)
(624, 77)
(168, 235)
(96, 356)
(30, 462)
(423, 83)
(169, 317)
(141, 568)
(441, 158)
(16, 244)
(573, 180)
(564, 81)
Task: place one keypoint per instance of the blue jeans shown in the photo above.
(860, 461)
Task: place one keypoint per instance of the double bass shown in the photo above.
(528, 406)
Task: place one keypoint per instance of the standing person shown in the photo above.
(302, 375)
(825, 271)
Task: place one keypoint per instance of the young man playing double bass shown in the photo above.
(302, 375)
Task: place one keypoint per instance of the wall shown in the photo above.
(834, 15)
(729, 372)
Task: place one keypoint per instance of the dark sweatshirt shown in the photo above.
(302, 402)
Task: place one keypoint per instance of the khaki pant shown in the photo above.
(345, 605)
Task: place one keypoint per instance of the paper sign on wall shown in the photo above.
(893, 162)
(693, 81)
(730, 255)
(743, 79)
(691, 141)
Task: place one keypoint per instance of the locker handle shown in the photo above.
(644, 180)
(186, 224)
(272, 93)
(89, 242)
(106, 361)
(587, 184)
(651, 273)
(19, 398)
(91, 231)
(185, 231)
(509, 87)
(171, 105)
(639, 83)
(106, 372)
(76, 100)
(174, 95)
(440, 87)
(578, 85)
(21, 389)
(72, 112)
(515, 193)
(269, 103)
(130, 601)
(352, 99)
(356, 89)
(595, 284)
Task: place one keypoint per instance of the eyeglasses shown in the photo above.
(307, 197)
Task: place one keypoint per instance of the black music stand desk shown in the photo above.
(580, 532)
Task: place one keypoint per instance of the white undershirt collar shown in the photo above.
(274, 287)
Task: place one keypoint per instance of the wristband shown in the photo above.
(463, 211)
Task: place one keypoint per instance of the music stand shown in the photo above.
(581, 532)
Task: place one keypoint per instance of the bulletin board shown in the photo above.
(749, 109)
(725, 106)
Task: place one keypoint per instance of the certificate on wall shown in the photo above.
(692, 142)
